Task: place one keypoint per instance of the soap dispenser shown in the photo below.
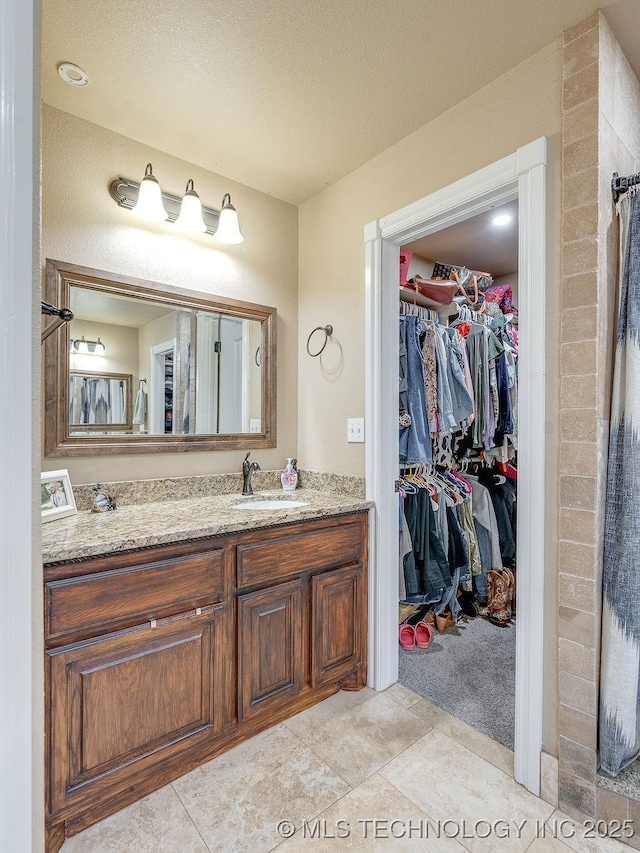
(289, 476)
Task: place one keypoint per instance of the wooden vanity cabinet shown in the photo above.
(159, 660)
(134, 697)
(271, 647)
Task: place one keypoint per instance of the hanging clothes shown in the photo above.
(619, 726)
(415, 443)
(457, 392)
(426, 569)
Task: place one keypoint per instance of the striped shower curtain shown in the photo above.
(620, 674)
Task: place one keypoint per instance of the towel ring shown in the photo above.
(328, 331)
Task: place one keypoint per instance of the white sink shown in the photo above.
(269, 504)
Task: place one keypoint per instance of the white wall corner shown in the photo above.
(532, 155)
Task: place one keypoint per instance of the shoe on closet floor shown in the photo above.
(424, 634)
(467, 604)
(407, 637)
(444, 620)
(498, 602)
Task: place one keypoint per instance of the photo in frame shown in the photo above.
(56, 495)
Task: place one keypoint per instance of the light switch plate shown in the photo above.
(355, 429)
(255, 425)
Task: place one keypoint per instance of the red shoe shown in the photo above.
(407, 637)
(424, 634)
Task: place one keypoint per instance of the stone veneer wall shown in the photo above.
(600, 135)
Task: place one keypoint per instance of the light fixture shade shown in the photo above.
(190, 219)
(149, 204)
(83, 347)
(228, 227)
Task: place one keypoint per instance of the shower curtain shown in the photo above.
(620, 673)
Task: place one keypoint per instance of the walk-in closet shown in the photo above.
(457, 483)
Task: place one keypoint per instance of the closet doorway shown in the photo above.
(519, 179)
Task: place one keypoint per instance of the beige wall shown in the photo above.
(83, 225)
(519, 107)
(121, 348)
(420, 266)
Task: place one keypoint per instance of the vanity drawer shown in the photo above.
(85, 606)
(304, 552)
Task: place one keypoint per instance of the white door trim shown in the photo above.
(156, 391)
(521, 175)
(21, 662)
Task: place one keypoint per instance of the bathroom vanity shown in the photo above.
(161, 656)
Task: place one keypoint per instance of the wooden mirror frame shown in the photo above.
(59, 278)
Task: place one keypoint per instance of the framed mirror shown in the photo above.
(147, 367)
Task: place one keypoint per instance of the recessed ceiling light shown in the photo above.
(502, 219)
(73, 74)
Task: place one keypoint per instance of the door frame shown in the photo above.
(521, 175)
(21, 634)
(156, 396)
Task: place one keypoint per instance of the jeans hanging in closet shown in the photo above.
(415, 440)
(445, 400)
(461, 399)
(505, 421)
(426, 569)
(484, 546)
(458, 549)
(503, 498)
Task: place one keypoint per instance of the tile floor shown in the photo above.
(358, 772)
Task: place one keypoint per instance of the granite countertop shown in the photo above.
(90, 534)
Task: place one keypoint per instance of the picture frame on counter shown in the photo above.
(56, 495)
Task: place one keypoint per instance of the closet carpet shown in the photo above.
(469, 671)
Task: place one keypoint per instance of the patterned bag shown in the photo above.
(466, 276)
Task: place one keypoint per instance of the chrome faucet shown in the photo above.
(247, 471)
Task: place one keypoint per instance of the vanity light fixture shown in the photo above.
(83, 347)
(502, 219)
(190, 218)
(149, 203)
(147, 196)
(228, 226)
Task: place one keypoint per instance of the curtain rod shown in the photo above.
(619, 185)
(62, 315)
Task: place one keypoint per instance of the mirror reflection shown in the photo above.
(99, 400)
(147, 368)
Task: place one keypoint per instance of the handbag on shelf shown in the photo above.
(465, 276)
(441, 292)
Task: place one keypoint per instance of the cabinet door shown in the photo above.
(270, 648)
(337, 616)
(123, 702)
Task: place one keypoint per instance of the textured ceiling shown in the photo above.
(624, 19)
(288, 96)
(475, 243)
